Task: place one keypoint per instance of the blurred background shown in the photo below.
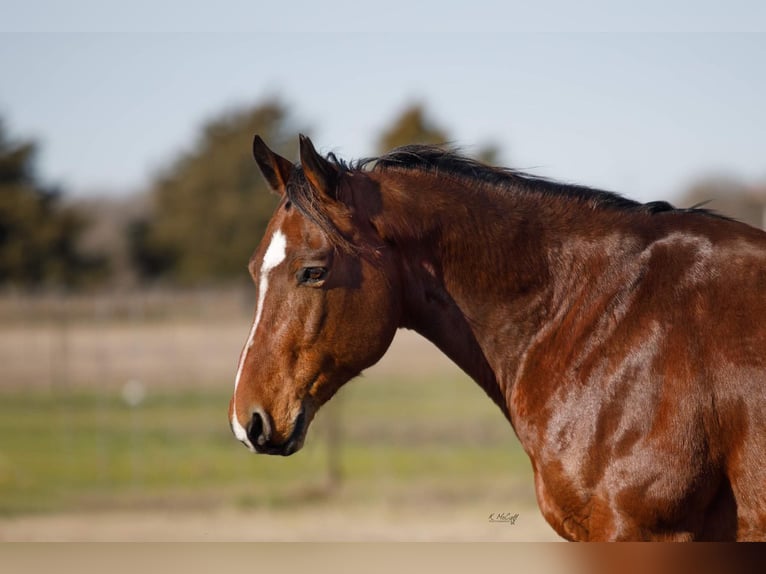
(129, 206)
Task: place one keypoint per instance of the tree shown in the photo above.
(211, 206)
(412, 126)
(38, 235)
(729, 197)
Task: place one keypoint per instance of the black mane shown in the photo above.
(445, 161)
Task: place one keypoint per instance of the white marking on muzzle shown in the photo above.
(239, 430)
(275, 254)
(241, 433)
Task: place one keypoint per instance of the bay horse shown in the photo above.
(624, 342)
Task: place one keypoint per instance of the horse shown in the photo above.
(624, 342)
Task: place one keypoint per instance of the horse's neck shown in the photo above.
(431, 310)
(479, 282)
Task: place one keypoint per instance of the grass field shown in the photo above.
(414, 439)
(82, 449)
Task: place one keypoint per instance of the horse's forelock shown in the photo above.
(313, 207)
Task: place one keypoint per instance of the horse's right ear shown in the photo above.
(274, 167)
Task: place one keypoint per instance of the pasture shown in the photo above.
(113, 426)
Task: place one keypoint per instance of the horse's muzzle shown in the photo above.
(259, 434)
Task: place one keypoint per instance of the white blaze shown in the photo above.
(275, 254)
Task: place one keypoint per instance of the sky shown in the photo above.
(643, 99)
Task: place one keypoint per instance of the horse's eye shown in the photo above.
(313, 276)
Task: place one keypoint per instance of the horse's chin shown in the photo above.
(286, 449)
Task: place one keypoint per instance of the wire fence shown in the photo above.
(161, 338)
(147, 343)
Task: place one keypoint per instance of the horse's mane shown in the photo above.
(437, 159)
(443, 161)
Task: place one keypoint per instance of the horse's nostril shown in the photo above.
(255, 429)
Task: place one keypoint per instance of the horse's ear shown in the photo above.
(274, 167)
(320, 173)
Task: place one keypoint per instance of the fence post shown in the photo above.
(335, 443)
(60, 354)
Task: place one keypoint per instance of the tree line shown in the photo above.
(204, 213)
(38, 234)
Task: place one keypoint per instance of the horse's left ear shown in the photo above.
(320, 173)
